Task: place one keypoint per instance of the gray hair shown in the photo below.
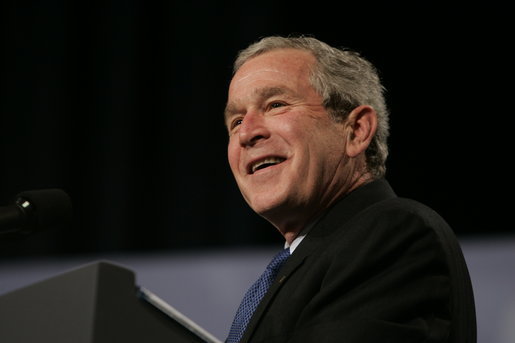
(344, 79)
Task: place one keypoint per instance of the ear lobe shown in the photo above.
(362, 123)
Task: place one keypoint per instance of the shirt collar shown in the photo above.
(300, 237)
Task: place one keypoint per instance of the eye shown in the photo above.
(276, 104)
(236, 122)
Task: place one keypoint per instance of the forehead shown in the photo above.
(281, 61)
(284, 68)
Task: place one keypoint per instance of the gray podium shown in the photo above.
(95, 303)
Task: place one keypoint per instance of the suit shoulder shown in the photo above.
(405, 209)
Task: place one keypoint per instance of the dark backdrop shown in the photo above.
(120, 104)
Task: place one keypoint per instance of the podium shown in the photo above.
(95, 303)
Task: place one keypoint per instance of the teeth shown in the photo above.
(268, 160)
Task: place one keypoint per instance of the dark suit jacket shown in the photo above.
(375, 268)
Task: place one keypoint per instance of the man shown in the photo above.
(308, 127)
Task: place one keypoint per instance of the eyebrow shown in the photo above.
(261, 94)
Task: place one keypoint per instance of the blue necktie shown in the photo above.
(254, 295)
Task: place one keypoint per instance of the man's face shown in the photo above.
(286, 153)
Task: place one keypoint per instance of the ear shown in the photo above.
(362, 126)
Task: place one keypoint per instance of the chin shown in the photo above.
(266, 205)
(276, 210)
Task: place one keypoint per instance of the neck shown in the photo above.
(293, 223)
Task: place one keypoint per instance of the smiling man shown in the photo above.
(308, 126)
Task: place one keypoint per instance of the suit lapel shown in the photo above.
(292, 265)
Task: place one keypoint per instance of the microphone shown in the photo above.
(36, 210)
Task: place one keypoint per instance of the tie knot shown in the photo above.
(278, 260)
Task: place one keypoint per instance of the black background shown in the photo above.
(120, 104)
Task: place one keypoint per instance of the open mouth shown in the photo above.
(265, 163)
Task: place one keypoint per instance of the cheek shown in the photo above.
(233, 157)
(291, 129)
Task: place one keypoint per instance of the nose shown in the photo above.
(253, 129)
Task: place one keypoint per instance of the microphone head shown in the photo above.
(45, 208)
